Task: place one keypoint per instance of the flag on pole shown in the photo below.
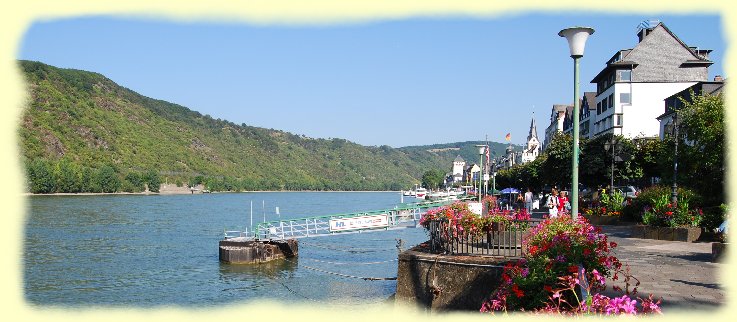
(487, 158)
(508, 137)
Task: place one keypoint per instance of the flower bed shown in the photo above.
(454, 229)
(566, 264)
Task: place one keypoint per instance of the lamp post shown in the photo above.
(576, 37)
(481, 169)
(672, 129)
(612, 143)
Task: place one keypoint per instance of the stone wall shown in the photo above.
(446, 282)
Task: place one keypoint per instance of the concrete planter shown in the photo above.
(602, 220)
(683, 234)
(717, 251)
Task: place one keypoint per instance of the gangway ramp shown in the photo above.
(400, 217)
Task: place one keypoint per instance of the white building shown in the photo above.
(557, 118)
(458, 166)
(532, 149)
(631, 88)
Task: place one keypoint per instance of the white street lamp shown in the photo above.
(576, 37)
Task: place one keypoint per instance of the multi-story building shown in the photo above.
(557, 118)
(631, 88)
(586, 116)
(674, 102)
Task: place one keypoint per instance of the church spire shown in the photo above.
(533, 129)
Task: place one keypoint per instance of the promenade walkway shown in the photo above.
(679, 272)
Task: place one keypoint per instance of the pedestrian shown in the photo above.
(552, 203)
(520, 201)
(528, 201)
(564, 204)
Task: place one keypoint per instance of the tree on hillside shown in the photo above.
(153, 181)
(66, 176)
(107, 179)
(432, 179)
(40, 177)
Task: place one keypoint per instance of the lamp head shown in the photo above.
(576, 37)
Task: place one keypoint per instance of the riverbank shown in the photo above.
(172, 189)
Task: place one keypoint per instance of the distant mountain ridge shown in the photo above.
(87, 120)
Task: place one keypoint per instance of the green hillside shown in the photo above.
(82, 132)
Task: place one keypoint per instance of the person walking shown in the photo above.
(552, 203)
(563, 203)
(528, 200)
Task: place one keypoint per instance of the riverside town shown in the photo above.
(614, 204)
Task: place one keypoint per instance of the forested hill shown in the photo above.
(83, 132)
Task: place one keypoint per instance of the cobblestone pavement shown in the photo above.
(679, 272)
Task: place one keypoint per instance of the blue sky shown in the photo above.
(395, 82)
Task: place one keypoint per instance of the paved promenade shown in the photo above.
(679, 272)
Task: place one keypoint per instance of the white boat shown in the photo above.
(408, 193)
(420, 193)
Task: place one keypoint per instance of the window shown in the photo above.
(611, 100)
(625, 75)
(604, 104)
(624, 98)
(619, 120)
(598, 108)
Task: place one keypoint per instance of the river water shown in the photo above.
(150, 251)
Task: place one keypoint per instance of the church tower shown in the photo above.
(533, 143)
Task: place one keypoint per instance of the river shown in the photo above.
(162, 250)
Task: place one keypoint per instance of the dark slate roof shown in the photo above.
(459, 159)
(622, 63)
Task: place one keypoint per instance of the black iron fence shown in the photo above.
(500, 239)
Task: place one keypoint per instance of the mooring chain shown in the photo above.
(350, 263)
(347, 250)
(344, 275)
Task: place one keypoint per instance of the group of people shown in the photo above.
(557, 203)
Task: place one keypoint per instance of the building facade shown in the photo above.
(673, 102)
(458, 166)
(631, 88)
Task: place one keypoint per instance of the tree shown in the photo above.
(40, 178)
(136, 181)
(66, 176)
(703, 124)
(107, 179)
(557, 166)
(433, 178)
(153, 181)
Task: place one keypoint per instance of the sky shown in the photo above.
(398, 82)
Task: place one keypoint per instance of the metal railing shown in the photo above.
(406, 216)
(503, 240)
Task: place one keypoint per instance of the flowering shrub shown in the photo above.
(596, 304)
(609, 205)
(663, 213)
(465, 222)
(557, 247)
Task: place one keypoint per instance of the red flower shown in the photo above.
(548, 288)
(669, 213)
(517, 291)
(612, 244)
(572, 269)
